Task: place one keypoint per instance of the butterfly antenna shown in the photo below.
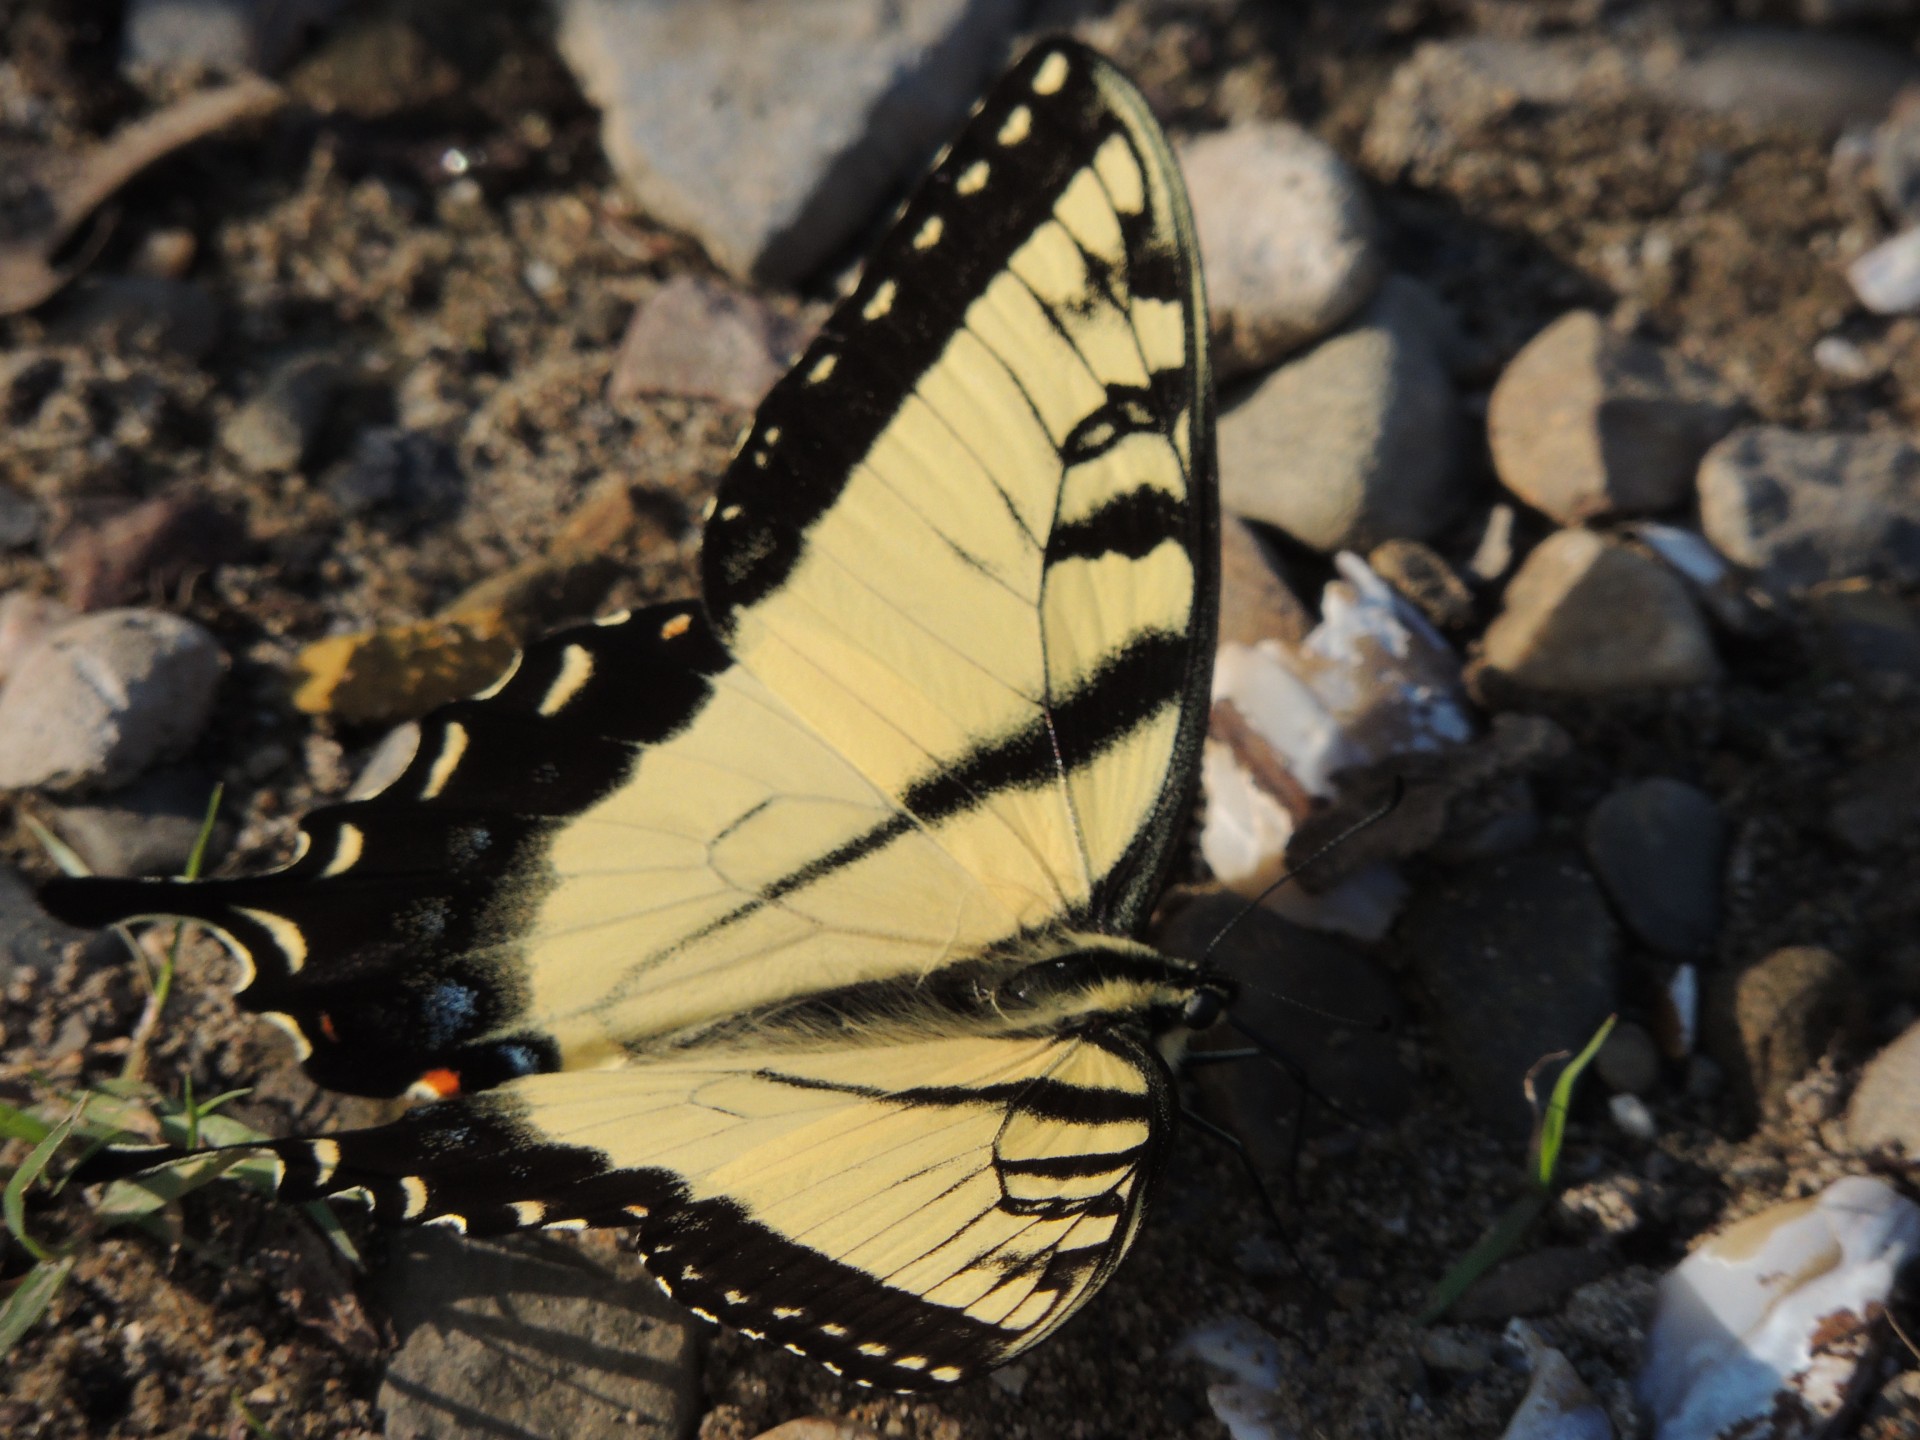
(1373, 817)
(1270, 1052)
(1234, 1143)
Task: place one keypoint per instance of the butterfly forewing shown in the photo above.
(699, 916)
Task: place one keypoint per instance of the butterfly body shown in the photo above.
(792, 927)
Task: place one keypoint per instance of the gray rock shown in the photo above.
(148, 828)
(1353, 443)
(31, 940)
(20, 520)
(1777, 76)
(1518, 957)
(1287, 236)
(1629, 1061)
(772, 132)
(699, 338)
(1586, 422)
(220, 35)
(1292, 981)
(532, 1336)
(1876, 804)
(1885, 1110)
(276, 428)
(1585, 616)
(1786, 1009)
(1801, 508)
(1887, 277)
(1255, 602)
(1536, 1283)
(1658, 845)
(104, 697)
(393, 467)
(140, 315)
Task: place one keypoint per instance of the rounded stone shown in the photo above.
(1657, 845)
(104, 697)
(1785, 1011)
(1287, 237)
(1629, 1061)
(1885, 1111)
(1353, 443)
(1587, 616)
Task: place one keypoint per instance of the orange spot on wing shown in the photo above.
(442, 1082)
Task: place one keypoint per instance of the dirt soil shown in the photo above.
(341, 226)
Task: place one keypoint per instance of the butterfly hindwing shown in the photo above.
(712, 920)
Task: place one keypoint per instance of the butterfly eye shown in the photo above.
(1203, 1008)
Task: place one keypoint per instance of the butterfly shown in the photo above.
(791, 927)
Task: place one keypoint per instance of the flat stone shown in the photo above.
(218, 35)
(771, 133)
(1658, 846)
(146, 551)
(1288, 240)
(1768, 75)
(1884, 1113)
(104, 697)
(276, 428)
(1518, 957)
(30, 939)
(1800, 508)
(1786, 1009)
(699, 338)
(533, 1337)
(1877, 803)
(1293, 980)
(1536, 1283)
(1586, 422)
(1354, 443)
(1255, 602)
(147, 828)
(1586, 616)
(1871, 629)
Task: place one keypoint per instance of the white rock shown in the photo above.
(1287, 236)
(1558, 1405)
(1766, 1324)
(1372, 680)
(1633, 1117)
(1887, 277)
(26, 619)
(1248, 1412)
(1843, 359)
(1237, 1346)
(103, 697)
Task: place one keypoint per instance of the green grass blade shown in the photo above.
(30, 1299)
(13, 1201)
(65, 858)
(197, 857)
(19, 1125)
(1553, 1125)
(1493, 1247)
(130, 1199)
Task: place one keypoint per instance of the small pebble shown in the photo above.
(1558, 1405)
(20, 519)
(276, 428)
(105, 696)
(1420, 573)
(218, 35)
(1628, 1062)
(1238, 1347)
(1586, 422)
(1869, 628)
(1787, 1008)
(697, 337)
(1658, 846)
(1493, 553)
(1895, 148)
(1844, 360)
(1885, 1110)
(1287, 237)
(1354, 442)
(1633, 1117)
(1887, 277)
(145, 552)
(1587, 616)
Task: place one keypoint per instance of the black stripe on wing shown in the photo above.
(393, 941)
